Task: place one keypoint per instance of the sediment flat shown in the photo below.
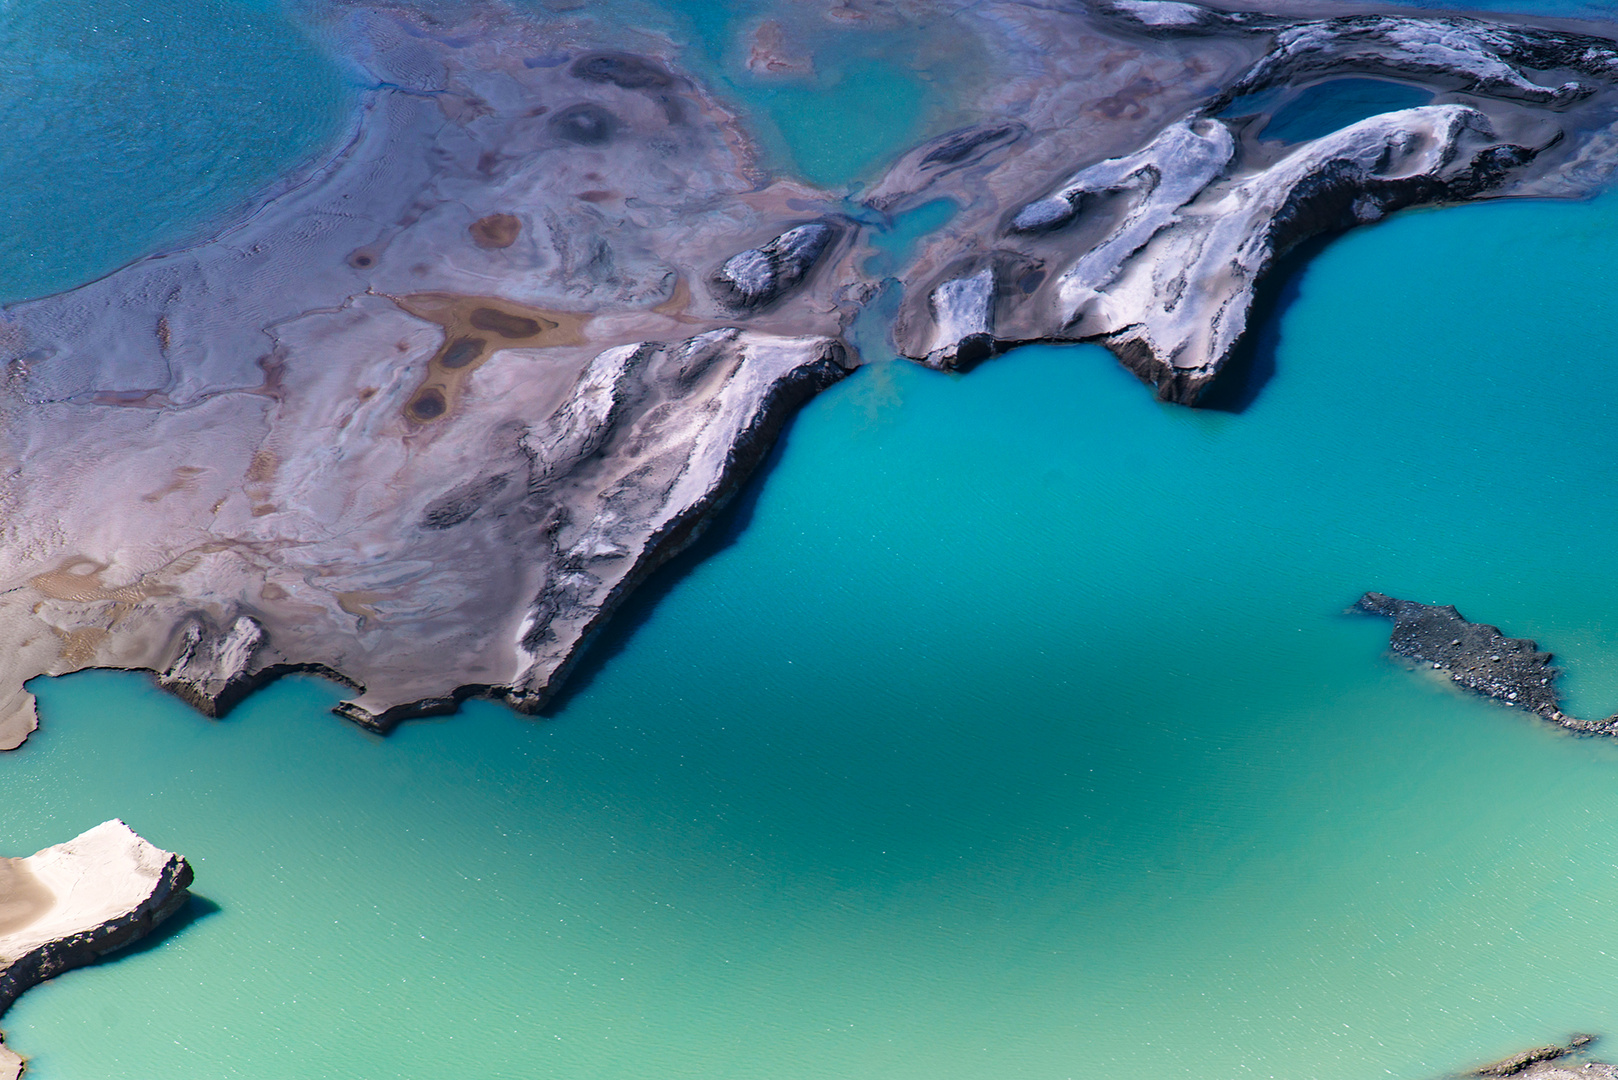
(422, 421)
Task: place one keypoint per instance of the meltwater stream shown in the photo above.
(1012, 727)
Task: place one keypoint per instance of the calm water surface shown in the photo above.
(130, 124)
(1014, 729)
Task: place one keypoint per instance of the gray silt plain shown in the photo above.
(424, 415)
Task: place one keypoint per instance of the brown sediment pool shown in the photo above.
(496, 230)
(475, 328)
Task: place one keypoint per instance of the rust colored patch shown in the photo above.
(79, 580)
(164, 338)
(358, 603)
(596, 196)
(475, 328)
(678, 300)
(79, 645)
(272, 591)
(495, 231)
(262, 469)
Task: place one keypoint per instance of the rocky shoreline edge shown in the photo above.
(72, 903)
(1550, 1062)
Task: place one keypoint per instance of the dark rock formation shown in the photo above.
(963, 312)
(1479, 657)
(1157, 252)
(760, 276)
(1537, 1063)
(966, 145)
(214, 669)
(622, 477)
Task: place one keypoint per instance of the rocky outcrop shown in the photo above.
(1479, 57)
(1162, 178)
(1158, 252)
(762, 275)
(1479, 658)
(1446, 51)
(65, 906)
(1542, 1063)
(963, 317)
(1558, 1068)
(624, 475)
(215, 668)
(1170, 288)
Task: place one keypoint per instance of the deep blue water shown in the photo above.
(1323, 108)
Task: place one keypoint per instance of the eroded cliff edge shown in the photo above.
(69, 904)
(422, 420)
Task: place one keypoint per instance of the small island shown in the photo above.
(1479, 658)
(68, 905)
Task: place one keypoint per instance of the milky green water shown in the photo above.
(1013, 729)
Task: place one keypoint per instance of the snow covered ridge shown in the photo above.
(65, 906)
(1158, 252)
(1171, 290)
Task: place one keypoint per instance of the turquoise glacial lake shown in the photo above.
(1012, 726)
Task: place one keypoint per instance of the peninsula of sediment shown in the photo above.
(422, 419)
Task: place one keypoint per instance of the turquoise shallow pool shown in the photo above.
(130, 125)
(1014, 729)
